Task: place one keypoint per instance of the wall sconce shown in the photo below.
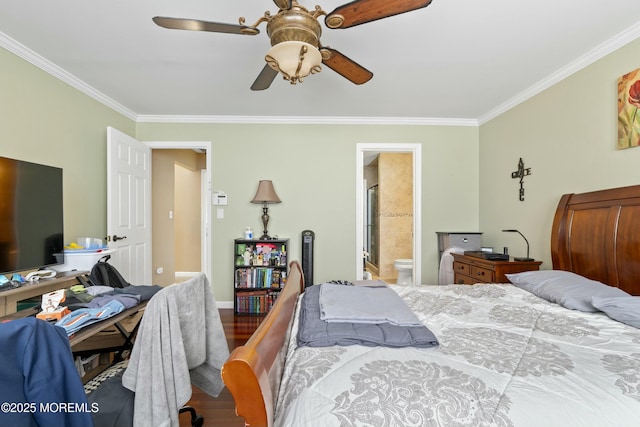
(525, 239)
(266, 195)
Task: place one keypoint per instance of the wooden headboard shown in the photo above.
(597, 235)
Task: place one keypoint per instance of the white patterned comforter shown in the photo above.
(506, 358)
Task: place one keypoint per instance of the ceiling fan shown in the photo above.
(295, 32)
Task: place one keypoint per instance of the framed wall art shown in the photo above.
(628, 106)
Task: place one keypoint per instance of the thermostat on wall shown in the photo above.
(219, 198)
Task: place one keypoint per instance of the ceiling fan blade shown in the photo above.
(361, 11)
(198, 25)
(283, 4)
(265, 78)
(345, 66)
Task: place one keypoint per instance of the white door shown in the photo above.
(128, 206)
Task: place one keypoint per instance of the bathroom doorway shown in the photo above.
(388, 216)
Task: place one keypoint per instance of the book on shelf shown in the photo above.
(255, 302)
(259, 277)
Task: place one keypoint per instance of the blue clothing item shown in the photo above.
(82, 317)
(39, 383)
(127, 300)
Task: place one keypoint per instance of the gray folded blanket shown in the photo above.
(315, 332)
(360, 304)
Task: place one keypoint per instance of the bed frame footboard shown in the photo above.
(252, 373)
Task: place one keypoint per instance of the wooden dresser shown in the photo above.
(469, 270)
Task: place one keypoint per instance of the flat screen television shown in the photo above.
(31, 215)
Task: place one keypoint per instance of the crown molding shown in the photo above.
(44, 64)
(402, 121)
(600, 51)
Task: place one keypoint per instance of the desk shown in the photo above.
(9, 299)
(110, 352)
(93, 329)
(100, 326)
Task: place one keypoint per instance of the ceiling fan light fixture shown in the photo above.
(294, 60)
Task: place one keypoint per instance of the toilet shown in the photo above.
(404, 267)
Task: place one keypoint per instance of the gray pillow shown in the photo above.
(623, 309)
(568, 289)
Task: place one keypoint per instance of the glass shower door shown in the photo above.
(372, 224)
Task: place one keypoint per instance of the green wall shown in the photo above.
(567, 135)
(313, 171)
(44, 120)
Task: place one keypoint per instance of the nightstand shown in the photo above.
(469, 270)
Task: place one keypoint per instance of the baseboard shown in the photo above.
(186, 273)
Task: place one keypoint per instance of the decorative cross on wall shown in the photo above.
(521, 173)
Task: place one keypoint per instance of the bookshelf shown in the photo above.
(260, 272)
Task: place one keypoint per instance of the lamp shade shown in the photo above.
(266, 193)
(294, 59)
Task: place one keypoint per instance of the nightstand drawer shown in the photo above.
(460, 268)
(461, 279)
(482, 274)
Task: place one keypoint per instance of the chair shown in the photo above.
(180, 343)
(116, 402)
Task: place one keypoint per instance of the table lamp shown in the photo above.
(525, 239)
(266, 195)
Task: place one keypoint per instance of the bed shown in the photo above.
(507, 355)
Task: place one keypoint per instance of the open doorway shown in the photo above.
(388, 216)
(167, 263)
(188, 233)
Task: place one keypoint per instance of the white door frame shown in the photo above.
(416, 150)
(206, 192)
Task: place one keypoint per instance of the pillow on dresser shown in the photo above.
(568, 289)
(623, 309)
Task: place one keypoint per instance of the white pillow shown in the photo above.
(568, 289)
(623, 309)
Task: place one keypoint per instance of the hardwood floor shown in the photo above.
(220, 411)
